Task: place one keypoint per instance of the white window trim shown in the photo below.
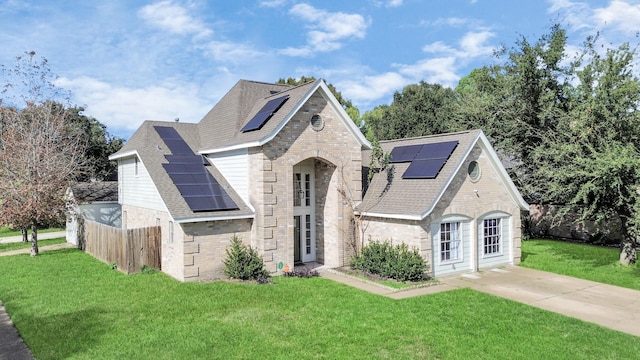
(500, 238)
(460, 258)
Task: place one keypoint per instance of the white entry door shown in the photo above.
(304, 230)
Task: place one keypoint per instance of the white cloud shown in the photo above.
(123, 109)
(224, 51)
(328, 29)
(372, 88)
(394, 3)
(272, 3)
(577, 15)
(438, 47)
(620, 15)
(439, 70)
(450, 21)
(174, 18)
(473, 44)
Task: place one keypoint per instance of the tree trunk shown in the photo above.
(628, 255)
(34, 240)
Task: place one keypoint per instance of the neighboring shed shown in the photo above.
(95, 201)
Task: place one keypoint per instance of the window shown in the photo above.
(317, 123)
(492, 235)
(474, 171)
(135, 168)
(450, 241)
(298, 194)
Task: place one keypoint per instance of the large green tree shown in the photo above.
(418, 110)
(592, 163)
(519, 100)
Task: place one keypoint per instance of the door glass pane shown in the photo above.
(308, 234)
(307, 189)
(297, 190)
(296, 238)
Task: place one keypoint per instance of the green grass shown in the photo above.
(67, 305)
(27, 245)
(588, 262)
(6, 231)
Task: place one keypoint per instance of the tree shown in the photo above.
(592, 163)
(347, 105)
(519, 101)
(40, 152)
(100, 144)
(38, 160)
(420, 109)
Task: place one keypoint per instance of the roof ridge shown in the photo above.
(291, 88)
(430, 136)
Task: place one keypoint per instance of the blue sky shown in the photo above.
(129, 61)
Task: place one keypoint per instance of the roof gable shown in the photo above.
(297, 97)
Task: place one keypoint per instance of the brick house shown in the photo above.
(281, 167)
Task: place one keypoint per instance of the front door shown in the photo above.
(304, 230)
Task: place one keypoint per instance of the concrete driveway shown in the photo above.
(610, 306)
(606, 305)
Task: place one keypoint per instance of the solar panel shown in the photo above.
(264, 114)
(183, 159)
(441, 150)
(197, 186)
(400, 154)
(167, 133)
(424, 169)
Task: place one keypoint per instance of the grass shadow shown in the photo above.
(62, 336)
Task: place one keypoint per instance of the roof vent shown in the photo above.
(176, 119)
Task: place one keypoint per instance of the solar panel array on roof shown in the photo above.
(426, 159)
(264, 114)
(197, 186)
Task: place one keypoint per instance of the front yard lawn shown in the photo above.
(67, 305)
(595, 263)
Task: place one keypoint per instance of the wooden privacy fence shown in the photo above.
(129, 249)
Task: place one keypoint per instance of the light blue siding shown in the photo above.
(137, 190)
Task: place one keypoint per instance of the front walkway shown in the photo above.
(11, 345)
(606, 305)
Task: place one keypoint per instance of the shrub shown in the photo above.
(243, 262)
(396, 262)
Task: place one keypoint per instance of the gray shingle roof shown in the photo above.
(89, 192)
(220, 127)
(389, 194)
(152, 150)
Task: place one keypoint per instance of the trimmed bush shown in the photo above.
(243, 262)
(392, 261)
